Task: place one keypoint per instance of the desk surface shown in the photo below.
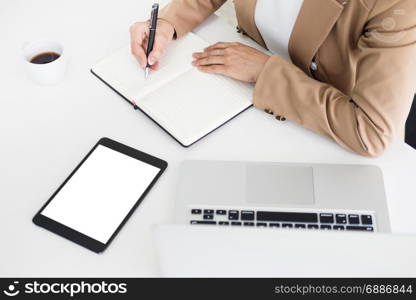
(45, 131)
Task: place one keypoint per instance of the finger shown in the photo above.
(210, 60)
(161, 43)
(216, 51)
(215, 69)
(137, 35)
(155, 66)
(138, 52)
(198, 55)
(154, 56)
(209, 52)
(220, 45)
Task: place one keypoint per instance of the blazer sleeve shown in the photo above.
(185, 15)
(365, 121)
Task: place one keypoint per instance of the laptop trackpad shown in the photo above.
(271, 184)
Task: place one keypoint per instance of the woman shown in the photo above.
(351, 75)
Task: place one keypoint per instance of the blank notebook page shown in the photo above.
(202, 102)
(122, 71)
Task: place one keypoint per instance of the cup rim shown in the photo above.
(27, 59)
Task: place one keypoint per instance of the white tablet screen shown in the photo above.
(101, 193)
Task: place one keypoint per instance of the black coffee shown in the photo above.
(45, 57)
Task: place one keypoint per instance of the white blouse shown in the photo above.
(275, 20)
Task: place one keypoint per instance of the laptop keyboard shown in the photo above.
(336, 220)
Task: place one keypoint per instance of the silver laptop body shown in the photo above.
(282, 195)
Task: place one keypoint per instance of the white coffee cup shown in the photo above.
(46, 73)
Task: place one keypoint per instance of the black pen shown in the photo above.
(152, 34)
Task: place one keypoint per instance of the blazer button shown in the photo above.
(240, 30)
(269, 111)
(314, 66)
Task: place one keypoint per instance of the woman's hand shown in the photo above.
(231, 59)
(139, 35)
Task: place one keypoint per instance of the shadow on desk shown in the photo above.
(411, 126)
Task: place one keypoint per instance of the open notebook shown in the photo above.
(186, 103)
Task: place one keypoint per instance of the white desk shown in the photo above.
(45, 131)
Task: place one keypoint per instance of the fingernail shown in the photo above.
(151, 60)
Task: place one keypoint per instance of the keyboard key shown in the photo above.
(208, 217)
(233, 215)
(360, 228)
(248, 223)
(236, 223)
(261, 224)
(286, 225)
(353, 219)
(196, 211)
(338, 227)
(366, 220)
(341, 219)
(287, 217)
(221, 212)
(208, 211)
(223, 223)
(300, 226)
(247, 215)
(312, 226)
(326, 227)
(204, 222)
(326, 218)
(274, 225)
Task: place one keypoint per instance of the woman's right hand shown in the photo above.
(139, 35)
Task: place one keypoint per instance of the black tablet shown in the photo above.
(98, 197)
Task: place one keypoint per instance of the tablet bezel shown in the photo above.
(78, 237)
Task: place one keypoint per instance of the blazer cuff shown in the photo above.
(264, 96)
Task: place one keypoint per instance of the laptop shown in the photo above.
(213, 251)
(274, 195)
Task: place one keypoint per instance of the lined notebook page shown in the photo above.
(122, 71)
(195, 103)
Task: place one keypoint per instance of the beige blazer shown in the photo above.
(353, 74)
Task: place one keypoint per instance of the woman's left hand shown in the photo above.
(234, 60)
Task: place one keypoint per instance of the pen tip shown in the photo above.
(146, 72)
